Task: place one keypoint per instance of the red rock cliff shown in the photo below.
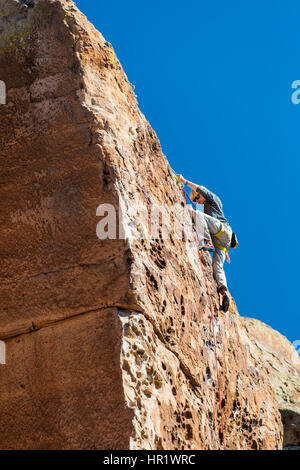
(109, 342)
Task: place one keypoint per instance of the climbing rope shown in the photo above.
(186, 197)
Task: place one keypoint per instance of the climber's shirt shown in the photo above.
(213, 205)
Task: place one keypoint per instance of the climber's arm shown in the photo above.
(188, 183)
(208, 195)
(191, 185)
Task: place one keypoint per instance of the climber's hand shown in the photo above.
(181, 179)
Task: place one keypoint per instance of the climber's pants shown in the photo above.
(212, 225)
(218, 267)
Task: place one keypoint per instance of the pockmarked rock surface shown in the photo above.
(109, 341)
(283, 364)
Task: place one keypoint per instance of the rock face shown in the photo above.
(283, 365)
(109, 341)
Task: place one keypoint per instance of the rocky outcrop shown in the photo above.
(283, 364)
(109, 341)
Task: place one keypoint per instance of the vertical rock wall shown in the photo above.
(72, 138)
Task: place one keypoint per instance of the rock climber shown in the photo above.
(215, 223)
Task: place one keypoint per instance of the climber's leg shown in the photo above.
(219, 275)
(201, 226)
(214, 225)
(218, 269)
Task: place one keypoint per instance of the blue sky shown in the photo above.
(214, 80)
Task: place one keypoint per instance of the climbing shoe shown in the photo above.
(207, 246)
(225, 303)
(226, 300)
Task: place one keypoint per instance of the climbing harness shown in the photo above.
(233, 244)
(221, 231)
(222, 248)
(186, 197)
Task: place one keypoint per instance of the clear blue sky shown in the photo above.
(214, 80)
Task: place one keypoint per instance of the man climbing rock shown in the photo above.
(215, 223)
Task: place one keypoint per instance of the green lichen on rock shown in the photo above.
(16, 42)
(17, 29)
